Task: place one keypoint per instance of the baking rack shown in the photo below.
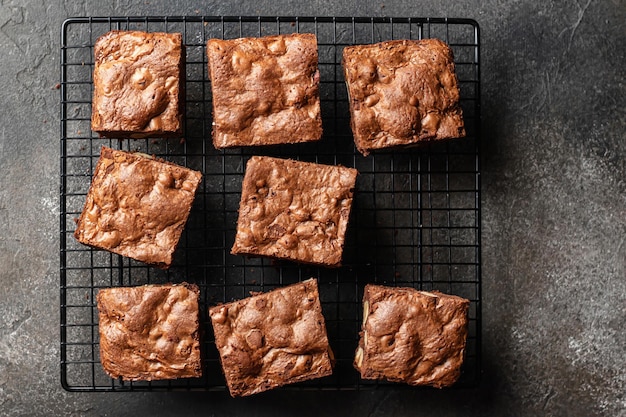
(415, 219)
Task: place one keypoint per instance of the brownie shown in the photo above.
(401, 93)
(138, 81)
(149, 332)
(137, 206)
(410, 336)
(272, 339)
(265, 90)
(294, 210)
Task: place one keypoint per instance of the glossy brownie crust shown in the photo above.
(265, 90)
(411, 336)
(150, 332)
(137, 206)
(294, 210)
(272, 339)
(402, 92)
(138, 83)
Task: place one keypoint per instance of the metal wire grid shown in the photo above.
(415, 219)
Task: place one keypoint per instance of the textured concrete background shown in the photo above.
(554, 215)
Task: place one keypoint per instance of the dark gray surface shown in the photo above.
(554, 216)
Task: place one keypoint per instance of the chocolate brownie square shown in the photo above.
(294, 210)
(401, 93)
(149, 332)
(272, 339)
(138, 81)
(410, 336)
(265, 90)
(137, 206)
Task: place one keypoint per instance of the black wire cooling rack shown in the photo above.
(415, 219)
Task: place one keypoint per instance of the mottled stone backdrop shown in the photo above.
(553, 215)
